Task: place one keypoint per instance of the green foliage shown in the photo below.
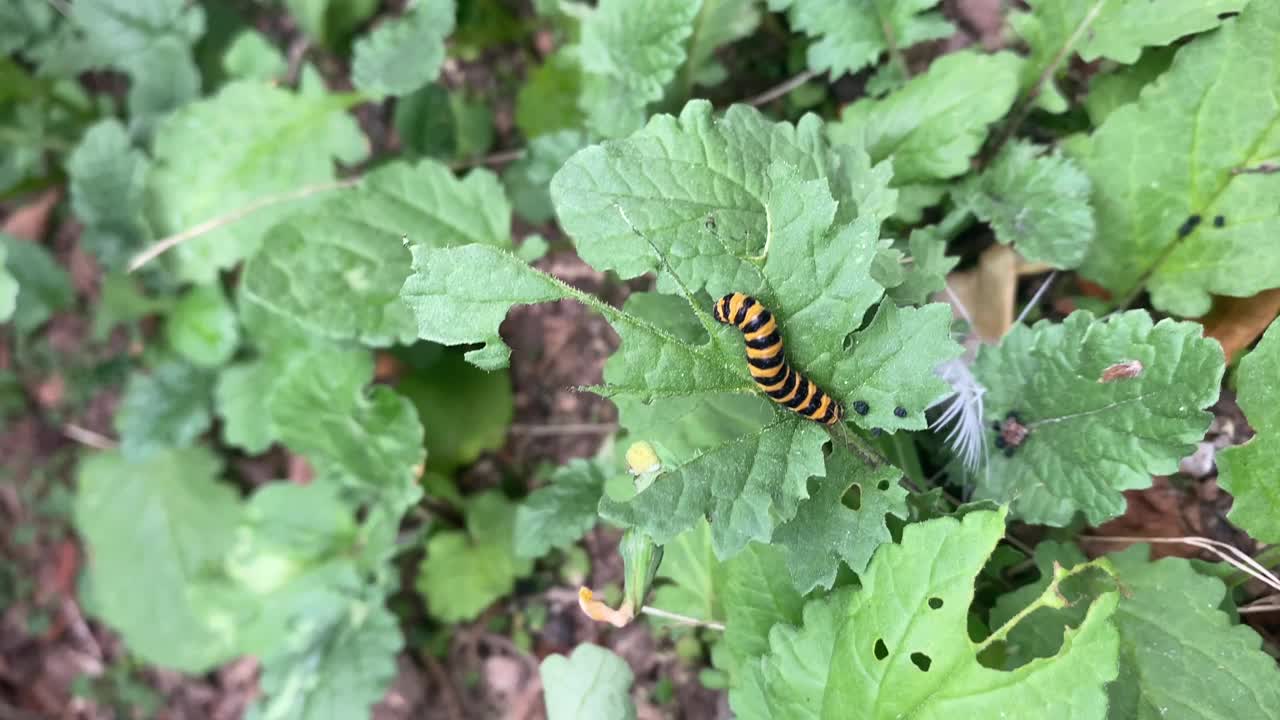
(1113, 29)
(1248, 472)
(404, 54)
(591, 682)
(697, 578)
(330, 21)
(153, 529)
(238, 399)
(1227, 675)
(43, 287)
(757, 595)
(248, 121)
(1154, 169)
(435, 122)
(1089, 440)
(108, 181)
(528, 179)
(549, 100)
(911, 610)
(718, 23)
(202, 327)
(337, 272)
(629, 51)
(251, 56)
(165, 408)
(465, 572)
(851, 36)
(937, 121)
(1038, 203)
(559, 513)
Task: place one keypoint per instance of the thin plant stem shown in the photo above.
(781, 89)
(1050, 598)
(682, 619)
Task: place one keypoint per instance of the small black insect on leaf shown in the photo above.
(1219, 221)
(1188, 226)
(900, 411)
(861, 407)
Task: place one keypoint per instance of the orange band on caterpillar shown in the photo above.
(769, 366)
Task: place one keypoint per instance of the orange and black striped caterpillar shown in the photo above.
(768, 366)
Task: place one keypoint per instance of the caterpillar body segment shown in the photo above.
(768, 365)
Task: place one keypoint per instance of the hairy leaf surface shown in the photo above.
(1089, 440)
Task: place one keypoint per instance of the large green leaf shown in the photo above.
(629, 51)
(590, 683)
(1088, 439)
(1037, 203)
(757, 595)
(268, 141)
(718, 23)
(826, 531)
(1113, 29)
(1249, 472)
(337, 272)
(465, 572)
(108, 179)
(238, 398)
(900, 647)
(938, 120)
(559, 513)
(1180, 654)
(405, 53)
(371, 439)
(152, 529)
(851, 35)
(1174, 216)
(165, 408)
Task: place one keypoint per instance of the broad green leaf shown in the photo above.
(697, 578)
(1037, 203)
(404, 53)
(825, 531)
(465, 572)
(695, 186)
(1249, 472)
(851, 35)
(629, 51)
(937, 121)
(108, 179)
(528, 180)
(8, 288)
(152, 529)
(337, 272)
(371, 439)
(548, 101)
(758, 594)
(718, 23)
(1167, 608)
(1113, 29)
(44, 288)
(22, 22)
(591, 683)
(464, 409)
(439, 123)
(269, 141)
(164, 78)
(559, 513)
(202, 327)
(166, 408)
(789, 678)
(338, 669)
(870, 649)
(749, 485)
(124, 28)
(1089, 440)
(1174, 217)
(252, 56)
(239, 397)
(121, 301)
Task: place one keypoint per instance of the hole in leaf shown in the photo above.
(882, 650)
(883, 485)
(935, 603)
(921, 661)
(853, 498)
